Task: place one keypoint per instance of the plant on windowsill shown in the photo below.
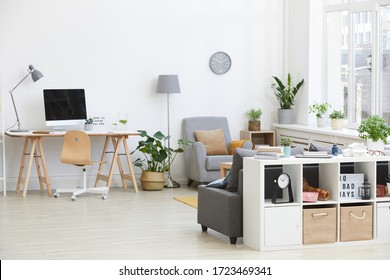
(254, 115)
(157, 158)
(286, 96)
(336, 119)
(320, 109)
(375, 131)
(286, 142)
(88, 126)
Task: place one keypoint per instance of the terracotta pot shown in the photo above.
(254, 125)
(152, 181)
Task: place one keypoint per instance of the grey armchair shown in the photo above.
(200, 167)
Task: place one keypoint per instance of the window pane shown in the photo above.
(337, 60)
(384, 61)
(361, 99)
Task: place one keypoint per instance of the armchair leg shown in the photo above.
(189, 182)
(233, 240)
(204, 228)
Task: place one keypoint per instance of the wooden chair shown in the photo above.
(76, 150)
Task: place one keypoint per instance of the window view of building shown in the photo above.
(357, 56)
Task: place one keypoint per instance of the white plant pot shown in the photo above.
(336, 123)
(375, 146)
(321, 122)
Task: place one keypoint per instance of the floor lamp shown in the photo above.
(35, 75)
(169, 84)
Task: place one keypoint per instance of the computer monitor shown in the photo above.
(64, 107)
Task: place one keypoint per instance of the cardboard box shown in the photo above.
(319, 225)
(349, 185)
(355, 223)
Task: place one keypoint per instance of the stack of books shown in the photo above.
(267, 155)
(272, 149)
(315, 153)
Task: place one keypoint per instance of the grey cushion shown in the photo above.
(297, 151)
(237, 165)
(219, 183)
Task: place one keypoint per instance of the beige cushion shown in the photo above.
(214, 141)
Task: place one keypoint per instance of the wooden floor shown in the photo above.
(128, 225)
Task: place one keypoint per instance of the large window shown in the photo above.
(357, 52)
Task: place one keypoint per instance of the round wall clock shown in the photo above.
(281, 183)
(220, 63)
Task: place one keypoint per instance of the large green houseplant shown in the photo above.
(286, 93)
(374, 129)
(157, 158)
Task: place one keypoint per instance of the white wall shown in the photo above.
(305, 54)
(116, 50)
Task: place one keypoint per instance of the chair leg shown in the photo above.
(189, 182)
(204, 228)
(233, 240)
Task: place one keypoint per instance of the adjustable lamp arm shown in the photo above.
(36, 75)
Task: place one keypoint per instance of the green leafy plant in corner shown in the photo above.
(387, 179)
(319, 109)
(286, 141)
(157, 157)
(374, 128)
(254, 114)
(89, 121)
(286, 93)
(336, 114)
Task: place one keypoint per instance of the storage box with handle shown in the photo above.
(319, 225)
(355, 222)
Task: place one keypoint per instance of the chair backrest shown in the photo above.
(189, 126)
(76, 148)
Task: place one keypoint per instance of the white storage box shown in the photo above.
(349, 185)
(382, 219)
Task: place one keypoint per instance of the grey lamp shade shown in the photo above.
(168, 84)
(35, 74)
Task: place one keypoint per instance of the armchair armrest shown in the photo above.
(245, 144)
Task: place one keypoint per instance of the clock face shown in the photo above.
(220, 63)
(283, 180)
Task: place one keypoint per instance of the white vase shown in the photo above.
(286, 116)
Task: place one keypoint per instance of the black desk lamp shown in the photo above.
(35, 75)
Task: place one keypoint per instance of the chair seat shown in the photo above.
(214, 162)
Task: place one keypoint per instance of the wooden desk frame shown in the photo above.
(36, 155)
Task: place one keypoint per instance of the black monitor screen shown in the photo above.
(64, 104)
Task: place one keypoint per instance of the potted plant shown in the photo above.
(286, 97)
(375, 130)
(320, 109)
(254, 115)
(88, 126)
(157, 158)
(336, 119)
(286, 142)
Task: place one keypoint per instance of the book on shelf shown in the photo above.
(267, 155)
(315, 153)
(273, 149)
